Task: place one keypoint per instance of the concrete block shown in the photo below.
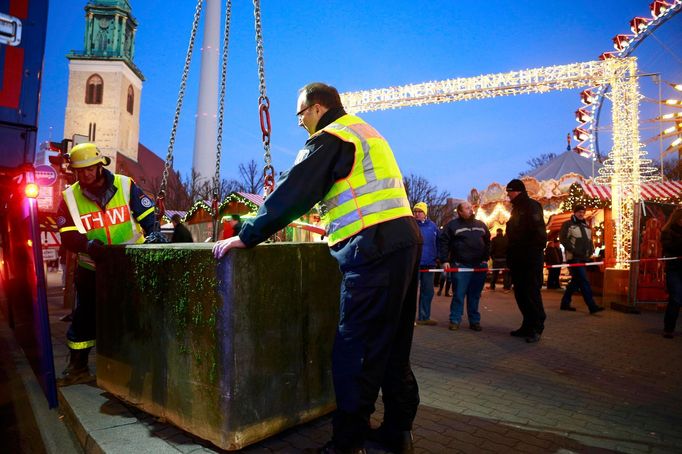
(232, 351)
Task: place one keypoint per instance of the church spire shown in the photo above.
(109, 33)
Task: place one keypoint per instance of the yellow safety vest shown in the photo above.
(113, 225)
(373, 192)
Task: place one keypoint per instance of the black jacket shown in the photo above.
(181, 234)
(576, 237)
(553, 256)
(671, 240)
(323, 160)
(464, 241)
(498, 247)
(526, 233)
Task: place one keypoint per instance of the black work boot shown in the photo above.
(397, 442)
(77, 370)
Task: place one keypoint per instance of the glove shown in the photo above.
(96, 250)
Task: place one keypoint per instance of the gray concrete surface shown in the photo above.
(606, 383)
(27, 424)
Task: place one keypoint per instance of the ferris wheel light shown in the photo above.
(587, 97)
(670, 116)
(620, 42)
(659, 7)
(581, 134)
(582, 151)
(675, 143)
(607, 55)
(638, 24)
(671, 129)
(677, 87)
(582, 115)
(673, 102)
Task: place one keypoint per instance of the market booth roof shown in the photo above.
(556, 220)
(650, 191)
(567, 162)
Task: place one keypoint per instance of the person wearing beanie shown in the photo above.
(427, 261)
(516, 186)
(671, 241)
(527, 238)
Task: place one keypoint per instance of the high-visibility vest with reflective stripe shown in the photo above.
(113, 225)
(373, 192)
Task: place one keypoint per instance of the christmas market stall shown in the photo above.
(549, 184)
(647, 278)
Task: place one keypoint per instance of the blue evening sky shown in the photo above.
(356, 45)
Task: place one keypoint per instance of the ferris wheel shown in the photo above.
(588, 116)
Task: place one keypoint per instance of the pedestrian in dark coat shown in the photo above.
(498, 252)
(553, 256)
(527, 238)
(671, 240)
(466, 241)
(181, 234)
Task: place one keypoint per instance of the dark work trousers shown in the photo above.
(527, 279)
(673, 279)
(372, 346)
(81, 333)
(580, 282)
(553, 278)
(506, 279)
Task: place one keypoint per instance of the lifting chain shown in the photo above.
(263, 106)
(178, 106)
(221, 115)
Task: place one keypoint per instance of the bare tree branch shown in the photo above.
(538, 161)
(419, 189)
(251, 177)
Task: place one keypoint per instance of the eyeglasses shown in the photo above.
(302, 111)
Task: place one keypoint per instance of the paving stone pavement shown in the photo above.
(602, 383)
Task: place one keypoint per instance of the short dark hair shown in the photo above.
(176, 218)
(323, 94)
(499, 230)
(577, 208)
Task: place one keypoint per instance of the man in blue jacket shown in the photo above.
(429, 233)
(466, 241)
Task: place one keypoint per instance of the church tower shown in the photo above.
(105, 86)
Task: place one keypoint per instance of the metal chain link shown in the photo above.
(263, 105)
(181, 96)
(221, 100)
(221, 114)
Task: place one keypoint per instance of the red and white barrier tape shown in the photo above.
(562, 265)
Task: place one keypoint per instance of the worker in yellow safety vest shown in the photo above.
(100, 208)
(350, 168)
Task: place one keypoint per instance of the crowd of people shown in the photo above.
(464, 248)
